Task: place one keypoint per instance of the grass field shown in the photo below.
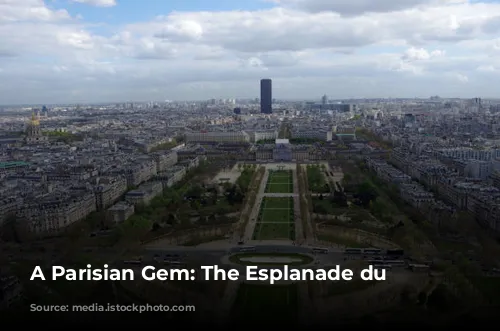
(279, 181)
(276, 219)
(266, 304)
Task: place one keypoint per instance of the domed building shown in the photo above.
(34, 134)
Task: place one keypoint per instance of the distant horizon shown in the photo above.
(318, 100)
(98, 51)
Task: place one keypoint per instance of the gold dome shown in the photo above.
(35, 119)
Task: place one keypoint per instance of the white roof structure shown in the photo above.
(282, 141)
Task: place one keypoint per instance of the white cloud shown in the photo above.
(462, 78)
(487, 68)
(419, 54)
(402, 48)
(352, 7)
(29, 10)
(98, 3)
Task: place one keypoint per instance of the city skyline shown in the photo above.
(104, 50)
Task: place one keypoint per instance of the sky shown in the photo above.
(87, 51)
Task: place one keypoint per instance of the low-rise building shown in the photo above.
(165, 160)
(55, 212)
(387, 172)
(171, 177)
(109, 190)
(120, 212)
(144, 193)
(217, 136)
(415, 195)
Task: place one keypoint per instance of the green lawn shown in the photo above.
(270, 231)
(280, 181)
(276, 215)
(277, 202)
(276, 220)
(265, 304)
(316, 179)
(279, 188)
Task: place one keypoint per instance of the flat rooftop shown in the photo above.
(11, 164)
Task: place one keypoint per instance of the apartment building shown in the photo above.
(345, 132)
(495, 179)
(151, 143)
(119, 212)
(320, 134)
(62, 173)
(136, 172)
(190, 151)
(264, 152)
(172, 176)
(486, 208)
(457, 190)
(82, 172)
(57, 211)
(264, 135)
(415, 195)
(478, 169)
(300, 153)
(9, 206)
(193, 162)
(109, 190)
(217, 136)
(387, 172)
(427, 171)
(400, 157)
(466, 153)
(144, 193)
(165, 161)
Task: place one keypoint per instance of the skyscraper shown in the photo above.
(266, 96)
(324, 100)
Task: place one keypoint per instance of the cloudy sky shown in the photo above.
(56, 51)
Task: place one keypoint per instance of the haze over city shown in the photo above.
(107, 51)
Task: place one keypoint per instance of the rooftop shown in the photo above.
(11, 164)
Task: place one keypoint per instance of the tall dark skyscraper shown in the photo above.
(266, 96)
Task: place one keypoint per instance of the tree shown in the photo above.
(441, 299)
(340, 199)
(171, 219)
(347, 179)
(194, 192)
(366, 193)
(155, 227)
(320, 209)
(196, 205)
(407, 294)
